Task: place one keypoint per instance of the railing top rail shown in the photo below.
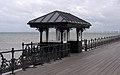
(28, 44)
(11, 51)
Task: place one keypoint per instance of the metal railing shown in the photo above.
(94, 43)
(33, 54)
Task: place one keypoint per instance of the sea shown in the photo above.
(9, 40)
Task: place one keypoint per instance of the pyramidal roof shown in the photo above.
(57, 17)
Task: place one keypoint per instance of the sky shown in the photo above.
(104, 15)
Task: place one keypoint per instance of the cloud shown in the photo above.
(102, 14)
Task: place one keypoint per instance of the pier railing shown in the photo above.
(33, 54)
(94, 43)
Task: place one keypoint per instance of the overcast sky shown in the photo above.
(104, 15)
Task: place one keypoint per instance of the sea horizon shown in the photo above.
(10, 40)
(53, 31)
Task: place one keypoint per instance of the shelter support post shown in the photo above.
(61, 30)
(81, 30)
(76, 46)
(57, 34)
(47, 35)
(77, 33)
(41, 32)
(68, 34)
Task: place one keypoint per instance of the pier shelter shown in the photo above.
(63, 22)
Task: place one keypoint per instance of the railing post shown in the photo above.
(54, 50)
(106, 40)
(42, 55)
(22, 46)
(68, 49)
(48, 53)
(23, 61)
(0, 71)
(85, 43)
(33, 56)
(12, 61)
(63, 50)
(60, 52)
(91, 43)
(31, 45)
(102, 41)
(95, 42)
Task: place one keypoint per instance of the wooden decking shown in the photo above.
(104, 60)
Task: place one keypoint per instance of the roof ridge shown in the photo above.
(59, 12)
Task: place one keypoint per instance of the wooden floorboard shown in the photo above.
(104, 60)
